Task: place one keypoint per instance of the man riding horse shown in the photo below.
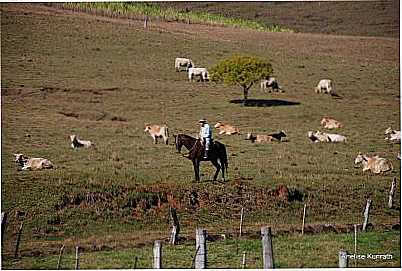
(205, 136)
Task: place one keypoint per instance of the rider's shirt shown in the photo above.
(206, 131)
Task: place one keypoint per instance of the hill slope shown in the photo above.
(361, 18)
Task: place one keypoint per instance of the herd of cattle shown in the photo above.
(375, 164)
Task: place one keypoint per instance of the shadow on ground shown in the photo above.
(263, 103)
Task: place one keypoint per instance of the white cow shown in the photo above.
(375, 164)
(325, 137)
(270, 83)
(325, 86)
(32, 163)
(185, 63)
(201, 72)
(77, 143)
(392, 135)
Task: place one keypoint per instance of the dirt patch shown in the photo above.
(155, 200)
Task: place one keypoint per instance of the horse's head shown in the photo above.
(177, 142)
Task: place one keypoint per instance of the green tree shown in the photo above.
(242, 71)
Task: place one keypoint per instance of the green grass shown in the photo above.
(290, 251)
(154, 11)
(70, 64)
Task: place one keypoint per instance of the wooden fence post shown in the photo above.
(304, 218)
(241, 222)
(174, 236)
(366, 214)
(343, 259)
(157, 254)
(17, 243)
(60, 255)
(355, 250)
(135, 262)
(201, 246)
(146, 22)
(243, 263)
(267, 253)
(3, 225)
(391, 193)
(77, 259)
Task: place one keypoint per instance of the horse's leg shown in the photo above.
(223, 168)
(218, 167)
(196, 166)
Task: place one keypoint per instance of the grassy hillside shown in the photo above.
(103, 79)
(361, 18)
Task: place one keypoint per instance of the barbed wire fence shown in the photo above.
(224, 250)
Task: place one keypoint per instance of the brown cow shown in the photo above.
(226, 129)
(158, 131)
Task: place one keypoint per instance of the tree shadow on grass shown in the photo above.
(263, 102)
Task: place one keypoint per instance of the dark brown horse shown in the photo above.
(216, 155)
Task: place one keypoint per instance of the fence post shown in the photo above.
(201, 246)
(267, 253)
(3, 225)
(60, 255)
(343, 259)
(243, 263)
(17, 243)
(241, 222)
(157, 254)
(135, 262)
(366, 214)
(304, 218)
(146, 22)
(355, 250)
(391, 193)
(174, 236)
(77, 259)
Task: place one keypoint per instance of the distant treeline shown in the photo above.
(154, 11)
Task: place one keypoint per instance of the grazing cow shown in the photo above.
(392, 135)
(325, 86)
(330, 123)
(77, 143)
(226, 129)
(265, 138)
(32, 163)
(201, 72)
(325, 137)
(375, 164)
(272, 83)
(183, 63)
(157, 131)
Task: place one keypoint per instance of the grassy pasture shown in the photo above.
(104, 79)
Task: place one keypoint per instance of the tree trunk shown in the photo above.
(245, 93)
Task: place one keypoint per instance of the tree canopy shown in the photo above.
(242, 71)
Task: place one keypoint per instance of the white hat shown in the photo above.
(202, 121)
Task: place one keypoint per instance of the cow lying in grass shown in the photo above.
(375, 164)
(392, 135)
(330, 123)
(226, 129)
(158, 131)
(324, 137)
(77, 143)
(32, 163)
(274, 137)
